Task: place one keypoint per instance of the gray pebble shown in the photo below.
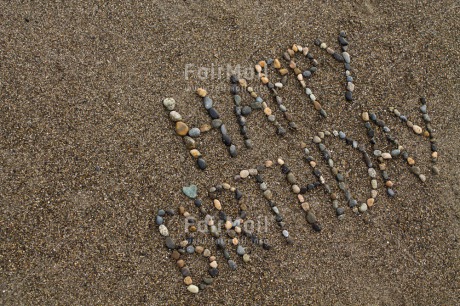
(170, 243)
(340, 211)
(237, 99)
(311, 218)
(159, 220)
(346, 57)
(246, 110)
(390, 192)
(342, 135)
(207, 102)
(423, 108)
(395, 152)
(190, 249)
(194, 132)
(240, 250)
(377, 153)
(232, 265)
(372, 173)
(216, 123)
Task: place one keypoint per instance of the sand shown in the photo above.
(88, 154)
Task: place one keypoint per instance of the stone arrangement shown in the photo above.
(227, 227)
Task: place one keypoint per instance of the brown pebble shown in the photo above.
(389, 184)
(181, 128)
(317, 105)
(175, 255)
(212, 258)
(199, 249)
(262, 64)
(292, 64)
(192, 228)
(181, 210)
(243, 82)
(426, 134)
(268, 163)
(180, 263)
(217, 204)
(410, 161)
(188, 280)
(195, 153)
(267, 111)
(370, 202)
(283, 71)
(205, 128)
(276, 63)
(201, 92)
(264, 80)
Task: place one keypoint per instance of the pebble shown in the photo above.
(316, 139)
(190, 249)
(190, 191)
(244, 173)
(181, 128)
(201, 163)
(175, 116)
(194, 132)
(163, 230)
(207, 102)
(372, 173)
(201, 92)
(245, 111)
(193, 289)
(285, 233)
(390, 192)
(240, 250)
(246, 258)
(232, 264)
(365, 116)
(159, 220)
(395, 152)
(170, 243)
(417, 129)
(346, 57)
(386, 155)
(206, 253)
(363, 207)
(311, 218)
(169, 103)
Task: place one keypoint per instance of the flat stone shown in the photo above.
(190, 191)
(240, 250)
(346, 57)
(207, 102)
(163, 230)
(194, 132)
(175, 116)
(311, 218)
(362, 207)
(170, 243)
(181, 128)
(169, 103)
(417, 129)
(193, 289)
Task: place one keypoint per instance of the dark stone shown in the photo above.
(317, 172)
(245, 111)
(234, 79)
(338, 57)
(201, 163)
(285, 169)
(213, 113)
(170, 243)
(185, 271)
(316, 227)
(347, 66)
(349, 96)
(214, 272)
(303, 190)
(343, 41)
(340, 211)
(317, 42)
(227, 140)
(306, 74)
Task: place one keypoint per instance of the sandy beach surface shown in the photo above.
(88, 154)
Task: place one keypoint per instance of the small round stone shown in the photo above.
(159, 220)
(169, 103)
(190, 249)
(201, 92)
(170, 243)
(417, 129)
(232, 265)
(244, 173)
(207, 102)
(240, 250)
(372, 173)
(188, 280)
(175, 116)
(193, 289)
(181, 128)
(316, 139)
(194, 132)
(363, 207)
